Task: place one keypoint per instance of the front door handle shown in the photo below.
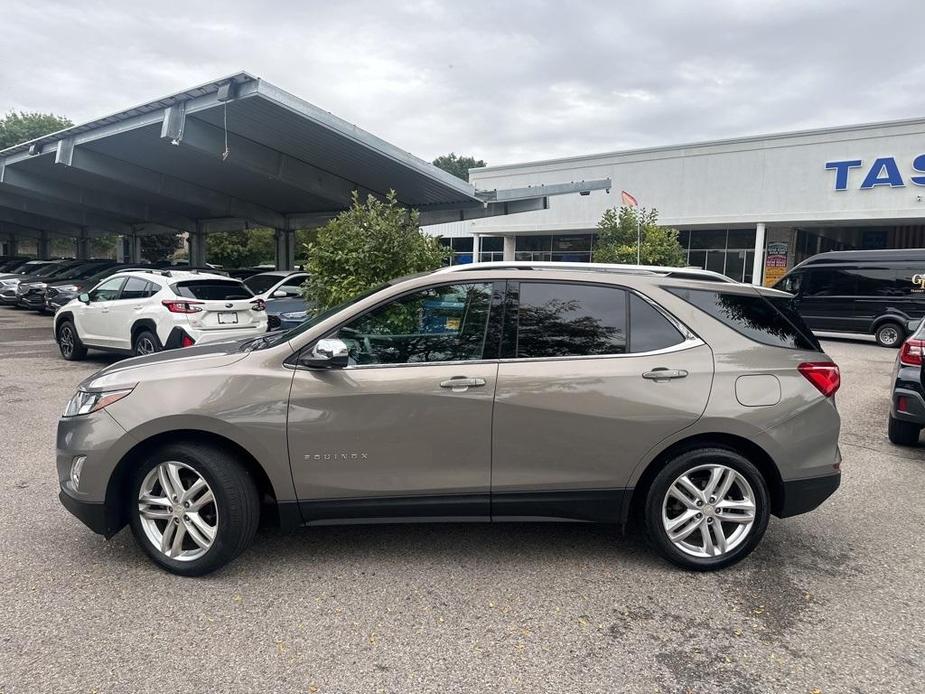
(460, 384)
(663, 374)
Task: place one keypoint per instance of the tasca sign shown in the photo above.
(883, 171)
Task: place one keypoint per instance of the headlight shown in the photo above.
(294, 315)
(85, 402)
(9, 282)
(68, 288)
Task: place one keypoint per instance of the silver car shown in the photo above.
(497, 391)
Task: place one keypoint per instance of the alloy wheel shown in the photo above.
(66, 341)
(145, 346)
(708, 511)
(177, 510)
(889, 336)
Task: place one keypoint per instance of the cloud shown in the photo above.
(505, 82)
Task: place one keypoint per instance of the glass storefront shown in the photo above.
(730, 252)
(563, 248)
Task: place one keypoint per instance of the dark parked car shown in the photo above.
(9, 291)
(872, 292)
(9, 264)
(907, 405)
(32, 293)
(283, 314)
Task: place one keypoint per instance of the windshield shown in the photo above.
(80, 271)
(261, 283)
(273, 339)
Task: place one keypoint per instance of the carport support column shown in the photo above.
(285, 249)
(197, 247)
(41, 250)
(510, 248)
(82, 245)
(129, 249)
(12, 246)
(758, 267)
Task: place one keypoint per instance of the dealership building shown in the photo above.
(749, 207)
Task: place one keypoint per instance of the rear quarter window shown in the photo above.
(771, 321)
(211, 290)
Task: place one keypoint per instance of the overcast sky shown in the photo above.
(503, 81)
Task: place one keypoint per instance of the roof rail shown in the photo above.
(687, 273)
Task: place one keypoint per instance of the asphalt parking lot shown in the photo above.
(832, 601)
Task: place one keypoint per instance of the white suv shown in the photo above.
(150, 310)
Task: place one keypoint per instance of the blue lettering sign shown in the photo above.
(918, 165)
(887, 167)
(841, 171)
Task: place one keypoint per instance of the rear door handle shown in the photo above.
(460, 384)
(663, 374)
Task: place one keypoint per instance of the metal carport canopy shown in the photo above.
(230, 154)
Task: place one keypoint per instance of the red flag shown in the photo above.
(628, 199)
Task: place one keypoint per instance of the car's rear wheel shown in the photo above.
(903, 433)
(889, 334)
(707, 508)
(69, 342)
(146, 342)
(193, 508)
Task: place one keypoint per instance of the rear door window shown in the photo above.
(650, 330)
(559, 319)
(771, 321)
(829, 282)
(211, 290)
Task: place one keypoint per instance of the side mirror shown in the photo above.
(280, 294)
(329, 353)
(83, 298)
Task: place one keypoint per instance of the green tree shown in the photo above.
(364, 246)
(616, 238)
(232, 249)
(16, 128)
(458, 166)
(156, 247)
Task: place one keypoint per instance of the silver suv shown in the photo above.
(495, 391)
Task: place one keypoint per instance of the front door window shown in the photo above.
(437, 324)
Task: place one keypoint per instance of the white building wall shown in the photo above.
(777, 179)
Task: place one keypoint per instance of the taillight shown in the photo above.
(187, 341)
(822, 374)
(180, 306)
(911, 352)
(259, 305)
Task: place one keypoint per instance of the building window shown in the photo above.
(461, 247)
(564, 248)
(491, 248)
(729, 251)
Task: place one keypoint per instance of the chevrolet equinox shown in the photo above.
(495, 391)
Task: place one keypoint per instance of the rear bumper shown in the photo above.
(204, 337)
(912, 407)
(802, 496)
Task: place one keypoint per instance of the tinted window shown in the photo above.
(296, 281)
(437, 324)
(770, 321)
(872, 281)
(261, 283)
(649, 329)
(829, 282)
(137, 288)
(564, 320)
(108, 290)
(790, 283)
(212, 290)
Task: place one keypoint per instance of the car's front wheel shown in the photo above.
(69, 342)
(193, 508)
(707, 508)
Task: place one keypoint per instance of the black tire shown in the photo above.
(237, 503)
(686, 462)
(889, 334)
(903, 433)
(69, 343)
(143, 339)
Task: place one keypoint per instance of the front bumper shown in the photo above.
(802, 496)
(36, 301)
(93, 515)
